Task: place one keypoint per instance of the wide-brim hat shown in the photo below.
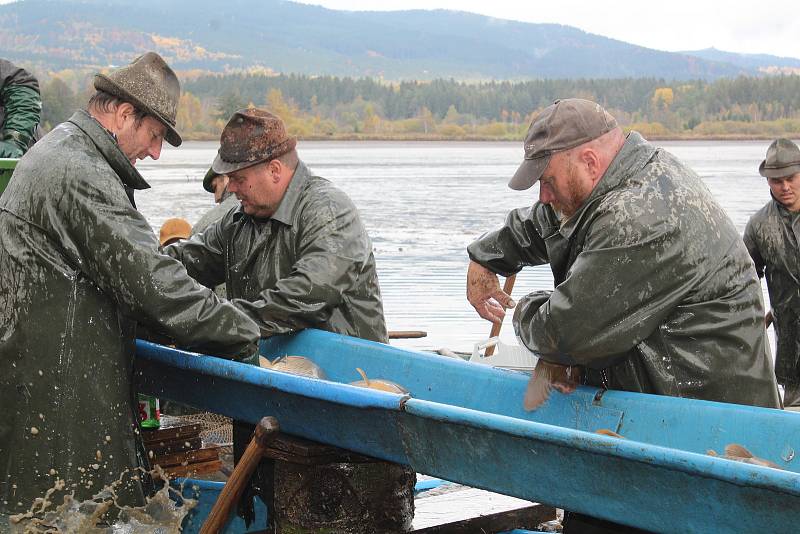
(783, 159)
(563, 125)
(150, 85)
(252, 136)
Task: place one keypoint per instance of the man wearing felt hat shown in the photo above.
(79, 268)
(771, 237)
(295, 253)
(654, 290)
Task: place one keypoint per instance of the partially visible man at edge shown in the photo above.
(79, 266)
(294, 255)
(772, 237)
(20, 109)
(654, 290)
(224, 200)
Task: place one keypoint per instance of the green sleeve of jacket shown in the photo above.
(752, 247)
(23, 110)
(517, 244)
(203, 254)
(119, 252)
(332, 248)
(621, 287)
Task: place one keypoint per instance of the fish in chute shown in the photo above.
(738, 453)
(296, 365)
(546, 377)
(378, 383)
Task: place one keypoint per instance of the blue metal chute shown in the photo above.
(464, 422)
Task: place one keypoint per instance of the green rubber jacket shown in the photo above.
(772, 237)
(310, 265)
(21, 109)
(79, 267)
(654, 289)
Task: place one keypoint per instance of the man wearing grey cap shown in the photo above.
(654, 290)
(771, 237)
(80, 268)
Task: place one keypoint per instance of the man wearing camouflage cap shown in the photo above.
(80, 267)
(654, 290)
(772, 237)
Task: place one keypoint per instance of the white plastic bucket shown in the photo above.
(505, 355)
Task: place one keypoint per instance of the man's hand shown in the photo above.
(485, 295)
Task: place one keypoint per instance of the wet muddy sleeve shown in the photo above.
(620, 288)
(751, 242)
(202, 255)
(332, 248)
(119, 253)
(516, 245)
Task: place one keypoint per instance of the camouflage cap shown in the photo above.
(783, 159)
(563, 125)
(252, 136)
(150, 85)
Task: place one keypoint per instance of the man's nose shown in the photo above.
(155, 149)
(545, 195)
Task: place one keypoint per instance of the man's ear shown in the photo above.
(275, 170)
(121, 113)
(591, 158)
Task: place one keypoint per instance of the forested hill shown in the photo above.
(285, 37)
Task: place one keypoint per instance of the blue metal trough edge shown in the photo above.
(423, 433)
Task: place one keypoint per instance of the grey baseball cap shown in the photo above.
(783, 159)
(563, 125)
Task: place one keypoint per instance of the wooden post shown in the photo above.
(266, 430)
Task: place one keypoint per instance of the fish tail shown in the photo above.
(538, 390)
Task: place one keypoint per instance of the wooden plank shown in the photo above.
(194, 469)
(175, 446)
(459, 509)
(172, 433)
(189, 457)
(407, 334)
(306, 452)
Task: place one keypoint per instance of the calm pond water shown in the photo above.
(424, 202)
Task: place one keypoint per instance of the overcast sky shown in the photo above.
(765, 26)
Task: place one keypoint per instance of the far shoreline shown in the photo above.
(358, 137)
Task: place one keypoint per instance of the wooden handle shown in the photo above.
(507, 287)
(406, 334)
(265, 432)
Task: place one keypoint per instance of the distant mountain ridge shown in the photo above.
(286, 37)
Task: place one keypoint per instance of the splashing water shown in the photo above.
(162, 514)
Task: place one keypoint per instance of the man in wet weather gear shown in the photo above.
(654, 289)
(772, 237)
(79, 268)
(20, 109)
(309, 264)
(294, 255)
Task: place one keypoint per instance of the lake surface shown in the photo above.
(424, 202)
